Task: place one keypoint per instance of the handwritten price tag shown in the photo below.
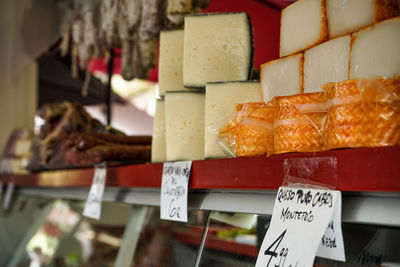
(332, 246)
(299, 220)
(93, 203)
(1, 190)
(174, 190)
(8, 195)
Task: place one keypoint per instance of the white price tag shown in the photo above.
(95, 197)
(332, 246)
(1, 190)
(8, 195)
(174, 190)
(299, 220)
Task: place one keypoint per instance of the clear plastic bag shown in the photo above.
(296, 131)
(362, 113)
(250, 132)
(312, 172)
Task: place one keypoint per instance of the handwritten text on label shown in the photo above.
(174, 190)
(93, 203)
(299, 220)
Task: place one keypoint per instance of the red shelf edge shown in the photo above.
(361, 169)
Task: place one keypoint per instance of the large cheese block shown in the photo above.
(375, 51)
(327, 62)
(221, 100)
(347, 16)
(282, 77)
(170, 76)
(184, 115)
(303, 25)
(158, 142)
(217, 47)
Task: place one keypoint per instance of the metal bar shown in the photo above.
(110, 69)
(366, 208)
(203, 240)
(131, 236)
(19, 252)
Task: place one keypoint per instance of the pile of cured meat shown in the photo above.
(90, 148)
(68, 136)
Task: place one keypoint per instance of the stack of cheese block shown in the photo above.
(328, 41)
(204, 71)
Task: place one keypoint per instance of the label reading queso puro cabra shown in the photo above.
(300, 219)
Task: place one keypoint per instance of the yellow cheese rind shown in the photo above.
(184, 116)
(375, 51)
(158, 141)
(327, 62)
(170, 77)
(221, 101)
(217, 47)
(303, 25)
(282, 77)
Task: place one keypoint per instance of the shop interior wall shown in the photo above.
(18, 102)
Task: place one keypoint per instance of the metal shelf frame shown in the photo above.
(378, 208)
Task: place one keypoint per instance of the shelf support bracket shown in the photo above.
(131, 236)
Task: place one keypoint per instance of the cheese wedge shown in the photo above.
(303, 25)
(221, 101)
(375, 51)
(282, 77)
(158, 142)
(170, 77)
(184, 114)
(347, 16)
(327, 62)
(217, 47)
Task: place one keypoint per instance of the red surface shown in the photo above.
(281, 4)
(213, 242)
(362, 169)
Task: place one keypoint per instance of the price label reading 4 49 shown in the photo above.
(299, 221)
(174, 190)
